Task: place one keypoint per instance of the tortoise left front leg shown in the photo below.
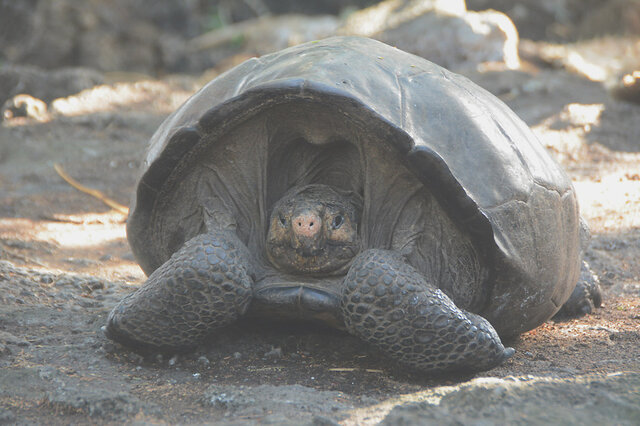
(205, 285)
(389, 303)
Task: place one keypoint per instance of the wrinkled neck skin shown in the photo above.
(313, 231)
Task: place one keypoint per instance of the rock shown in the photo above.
(314, 7)
(627, 88)
(98, 403)
(265, 34)
(7, 417)
(129, 35)
(203, 361)
(596, 399)
(106, 34)
(534, 19)
(45, 85)
(609, 17)
(323, 421)
(39, 34)
(4, 350)
(25, 382)
(10, 339)
(173, 361)
(111, 51)
(567, 20)
(443, 32)
(25, 106)
(292, 401)
(392, 14)
(274, 354)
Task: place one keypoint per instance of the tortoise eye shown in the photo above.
(283, 220)
(337, 221)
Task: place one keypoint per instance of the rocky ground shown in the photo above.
(65, 262)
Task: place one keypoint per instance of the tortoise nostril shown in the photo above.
(307, 224)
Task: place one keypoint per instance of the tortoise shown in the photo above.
(348, 182)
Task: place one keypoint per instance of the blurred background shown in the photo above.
(86, 83)
(596, 38)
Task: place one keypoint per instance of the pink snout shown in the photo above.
(306, 224)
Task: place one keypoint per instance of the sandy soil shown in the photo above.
(64, 262)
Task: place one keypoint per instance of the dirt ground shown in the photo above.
(65, 262)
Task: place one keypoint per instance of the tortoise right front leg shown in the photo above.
(203, 286)
(389, 303)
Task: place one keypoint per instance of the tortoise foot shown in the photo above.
(204, 286)
(586, 296)
(390, 304)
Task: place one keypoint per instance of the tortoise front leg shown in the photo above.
(204, 286)
(390, 304)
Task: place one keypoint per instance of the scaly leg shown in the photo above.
(390, 304)
(204, 286)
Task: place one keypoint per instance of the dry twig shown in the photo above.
(93, 192)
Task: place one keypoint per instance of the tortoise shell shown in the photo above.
(365, 117)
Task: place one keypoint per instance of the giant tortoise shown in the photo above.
(349, 182)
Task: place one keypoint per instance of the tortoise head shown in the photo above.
(313, 229)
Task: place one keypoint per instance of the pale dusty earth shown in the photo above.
(65, 262)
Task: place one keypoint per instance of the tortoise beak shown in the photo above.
(306, 246)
